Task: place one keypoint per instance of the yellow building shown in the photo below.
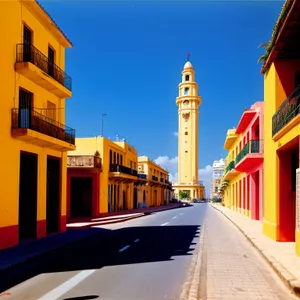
(188, 103)
(154, 187)
(281, 71)
(34, 138)
(111, 185)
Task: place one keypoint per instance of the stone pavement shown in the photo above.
(281, 256)
(231, 268)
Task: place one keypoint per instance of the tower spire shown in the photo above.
(188, 56)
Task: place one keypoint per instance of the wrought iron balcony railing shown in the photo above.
(30, 119)
(154, 178)
(253, 146)
(287, 111)
(142, 176)
(230, 166)
(122, 169)
(167, 181)
(28, 53)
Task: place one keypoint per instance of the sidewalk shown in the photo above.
(281, 256)
(116, 217)
(11, 257)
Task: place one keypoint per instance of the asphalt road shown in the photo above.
(143, 259)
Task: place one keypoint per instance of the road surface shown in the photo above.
(148, 259)
(144, 259)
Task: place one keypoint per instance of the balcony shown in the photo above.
(154, 178)
(251, 155)
(245, 120)
(287, 115)
(230, 171)
(142, 176)
(230, 138)
(38, 129)
(84, 162)
(168, 182)
(121, 173)
(34, 65)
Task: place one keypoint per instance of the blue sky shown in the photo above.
(128, 57)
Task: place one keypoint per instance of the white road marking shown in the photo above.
(67, 286)
(136, 240)
(124, 248)
(174, 217)
(165, 224)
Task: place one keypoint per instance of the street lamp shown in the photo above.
(103, 115)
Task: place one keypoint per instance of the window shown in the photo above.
(186, 133)
(118, 156)
(186, 151)
(187, 77)
(114, 157)
(121, 160)
(110, 157)
(51, 110)
(186, 91)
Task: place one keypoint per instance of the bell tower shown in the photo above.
(188, 103)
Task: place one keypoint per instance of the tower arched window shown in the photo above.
(186, 133)
(186, 91)
(187, 77)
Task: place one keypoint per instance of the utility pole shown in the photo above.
(103, 115)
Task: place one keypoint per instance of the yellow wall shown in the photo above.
(88, 146)
(278, 84)
(12, 17)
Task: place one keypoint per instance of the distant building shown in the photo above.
(218, 169)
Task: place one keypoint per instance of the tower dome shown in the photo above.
(188, 65)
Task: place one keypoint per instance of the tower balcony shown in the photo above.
(35, 128)
(287, 115)
(251, 155)
(37, 67)
(121, 173)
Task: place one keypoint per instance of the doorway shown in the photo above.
(124, 200)
(28, 196)
(288, 163)
(27, 41)
(53, 195)
(25, 109)
(81, 197)
(135, 198)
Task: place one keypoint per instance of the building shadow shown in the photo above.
(132, 245)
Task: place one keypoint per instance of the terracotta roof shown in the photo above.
(278, 25)
(40, 5)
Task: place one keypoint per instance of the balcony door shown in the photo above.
(27, 40)
(50, 61)
(25, 109)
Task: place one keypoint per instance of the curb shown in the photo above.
(121, 220)
(26, 260)
(289, 280)
(190, 290)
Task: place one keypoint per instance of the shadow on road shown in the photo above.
(131, 245)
